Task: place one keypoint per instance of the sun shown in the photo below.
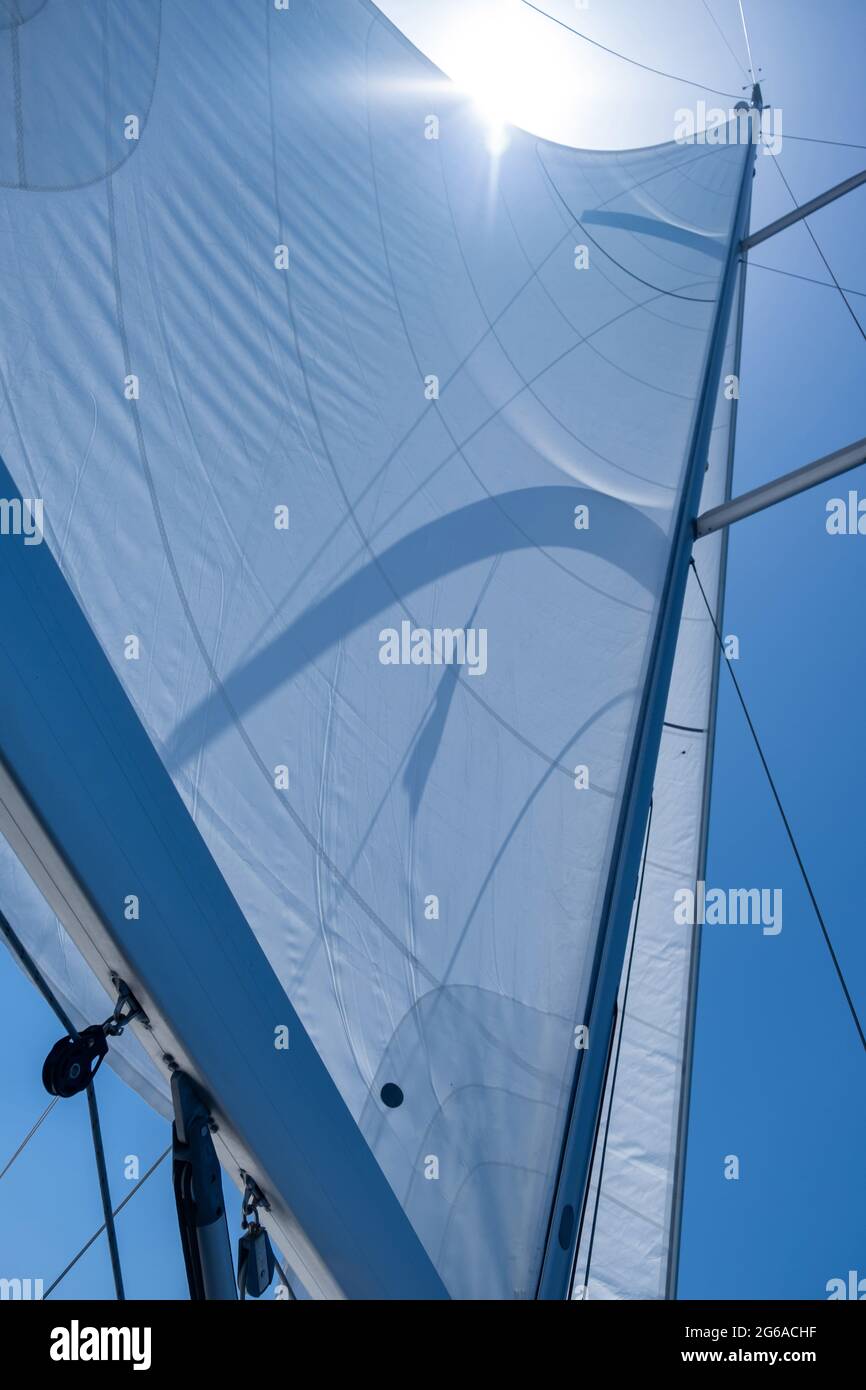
(487, 66)
(512, 70)
(489, 63)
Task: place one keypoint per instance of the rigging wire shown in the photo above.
(748, 43)
(96, 1234)
(31, 968)
(26, 1140)
(861, 330)
(25, 959)
(810, 279)
(674, 77)
(785, 821)
(690, 81)
(116, 1212)
(737, 60)
(105, 1191)
(816, 140)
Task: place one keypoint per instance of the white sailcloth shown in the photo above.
(629, 1228)
(360, 447)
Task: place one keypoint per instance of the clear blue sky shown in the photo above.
(779, 1072)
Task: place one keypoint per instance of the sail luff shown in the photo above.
(675, 1237)
(588, 1087)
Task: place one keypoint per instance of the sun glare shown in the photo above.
(490, 67)
(495, 58)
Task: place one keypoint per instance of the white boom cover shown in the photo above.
(360, 447)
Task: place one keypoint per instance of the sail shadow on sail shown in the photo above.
(253, 350)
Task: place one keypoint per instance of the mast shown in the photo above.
(675, 1229)
(588, 1085)
(720, 519)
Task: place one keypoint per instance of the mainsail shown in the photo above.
(362, 449)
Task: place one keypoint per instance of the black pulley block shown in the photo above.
(72, 1062)
(256, 1263)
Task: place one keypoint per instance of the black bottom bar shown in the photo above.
(592, 1337)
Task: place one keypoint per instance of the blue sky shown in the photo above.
(778, 1069)
(778, 1063)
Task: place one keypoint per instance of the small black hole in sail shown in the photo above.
(391, 1095)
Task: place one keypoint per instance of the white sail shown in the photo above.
(362, 447)
(630, 1228)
